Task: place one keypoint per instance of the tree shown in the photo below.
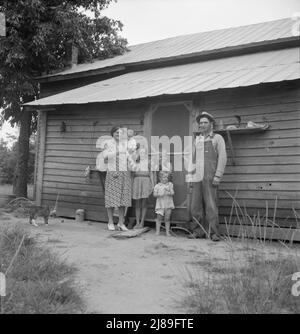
(7, 163)
(9, 156)
(38, 33)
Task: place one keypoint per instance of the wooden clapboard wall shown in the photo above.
(68, 154)
(267, 163)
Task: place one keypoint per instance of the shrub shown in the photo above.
(8, 161)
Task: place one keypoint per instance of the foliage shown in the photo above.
(8, 160)
(259, 283)
(255, 279)
(39, 35)
(38, 281)
(37, 39)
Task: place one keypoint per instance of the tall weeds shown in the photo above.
(255, 280)
(37, 280)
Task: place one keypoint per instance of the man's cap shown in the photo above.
(207, 115)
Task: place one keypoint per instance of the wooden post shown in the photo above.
(20, 183)
(40, 157)
(231, 146)
(37, 146)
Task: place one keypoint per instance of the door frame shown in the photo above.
(190, 106)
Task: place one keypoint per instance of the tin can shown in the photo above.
(79, 215)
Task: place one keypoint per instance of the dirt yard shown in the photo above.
(145, 274)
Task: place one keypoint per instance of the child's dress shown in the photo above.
(142, 184)
(131, 145)
(165, 199)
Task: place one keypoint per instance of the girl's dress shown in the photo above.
(142, 185)
(164, 201)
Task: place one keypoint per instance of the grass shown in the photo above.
(255, 279)
(38, 281)
(257, 285)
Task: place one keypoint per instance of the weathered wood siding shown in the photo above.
(68, 154)
(267, 163)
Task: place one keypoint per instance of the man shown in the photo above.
(209, 156)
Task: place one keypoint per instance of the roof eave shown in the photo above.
(51, 107)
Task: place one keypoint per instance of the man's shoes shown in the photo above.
(215, 238)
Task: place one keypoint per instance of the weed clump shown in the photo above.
(38, 281)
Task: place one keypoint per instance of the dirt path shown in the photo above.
(138, 275)
(146, 274)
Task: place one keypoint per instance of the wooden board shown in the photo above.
(40, 156)
(66, 209)
(68, 154)
(283, 234)
(130, 233)
(262, 195)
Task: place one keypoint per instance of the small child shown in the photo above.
(132, 144)
(106, 145)
(127, 141)
(163, 192)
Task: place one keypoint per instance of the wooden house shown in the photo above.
(158, 88)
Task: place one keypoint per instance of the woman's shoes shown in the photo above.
(33, 223)
(122, 227)
(111, 227)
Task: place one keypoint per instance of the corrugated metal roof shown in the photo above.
(245, 70)
(194, 43)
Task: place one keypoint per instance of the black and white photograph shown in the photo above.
(150, 159)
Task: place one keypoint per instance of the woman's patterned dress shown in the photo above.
(117, 188)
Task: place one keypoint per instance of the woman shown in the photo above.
(118, 180)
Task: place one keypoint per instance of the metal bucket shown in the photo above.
(79, 215)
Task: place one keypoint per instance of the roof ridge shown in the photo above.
(181, 47)
(210, 31)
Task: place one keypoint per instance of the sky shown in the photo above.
(149, 20)
(6, 130)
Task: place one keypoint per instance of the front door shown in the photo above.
(174, 120)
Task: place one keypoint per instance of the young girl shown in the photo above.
(142, 186)
(163, 192)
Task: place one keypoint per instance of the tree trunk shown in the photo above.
(23, 155)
